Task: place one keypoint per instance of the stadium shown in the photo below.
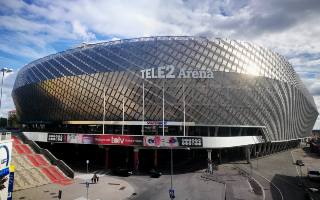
(212, 96)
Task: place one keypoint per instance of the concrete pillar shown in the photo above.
(247, 153)
(280, 146)
(254, 153)
(216, 129)
(136, 159)
(277, 147)
(209, 160)
(240, 132)
(219, 156)
(272, 147)
(244, 132)
(106, 158)
(155, 161)
(259, 149)
(265, 148)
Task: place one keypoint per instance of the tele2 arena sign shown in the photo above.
(171, 71)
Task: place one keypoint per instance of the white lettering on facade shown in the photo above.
(170, 72)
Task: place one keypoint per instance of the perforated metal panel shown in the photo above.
(251, 85)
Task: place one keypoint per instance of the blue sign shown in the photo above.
(171, 194)
(10, 186)
(4, 172)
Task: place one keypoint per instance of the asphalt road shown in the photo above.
(187, 186)
(278, 175)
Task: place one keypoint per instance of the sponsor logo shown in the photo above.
(156, 123)
(117, 140)
(190, 141)
(160, 141)
(170, 71)
(57, 137)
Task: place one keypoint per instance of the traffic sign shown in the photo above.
(171, 194)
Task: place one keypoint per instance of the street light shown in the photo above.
(87, 161)
(3, 70)
(257, 158)
(87, 182)
(171, 191)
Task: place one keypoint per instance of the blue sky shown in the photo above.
(33, 29)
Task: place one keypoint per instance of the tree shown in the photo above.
(3, 122)
(13, 121)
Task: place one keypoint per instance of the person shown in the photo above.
(94, 178)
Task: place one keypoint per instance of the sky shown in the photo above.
(33, 29)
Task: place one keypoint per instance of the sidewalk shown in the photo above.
(108, 188)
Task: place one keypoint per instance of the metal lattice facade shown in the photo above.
(251, 86)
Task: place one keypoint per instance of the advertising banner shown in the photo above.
(190, 141)
(125, 140)
(160, 141)
(53, 137)
(119, 140)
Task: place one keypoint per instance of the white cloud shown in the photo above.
(289, 27)
(82, 32)
(7, 103)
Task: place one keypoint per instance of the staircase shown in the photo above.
(32, 169)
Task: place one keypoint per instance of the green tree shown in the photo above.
(3, 122)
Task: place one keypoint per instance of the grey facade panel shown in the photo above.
(251, 85)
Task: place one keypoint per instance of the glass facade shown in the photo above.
(251, 86)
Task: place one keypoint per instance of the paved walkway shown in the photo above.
(196, 186)
(108, 188)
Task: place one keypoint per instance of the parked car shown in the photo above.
(155, 173)
(120, 171)
(313, 174)
(299, 162)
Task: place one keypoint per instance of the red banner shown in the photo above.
(112, 140)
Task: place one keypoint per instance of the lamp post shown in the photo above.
(171, 191)
(104, 109)
(257, 158)
(87, 182)
(3, 71)
(87, 161)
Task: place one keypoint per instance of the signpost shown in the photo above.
(171, 194)
(87, 186)
(60, 194)
(171, 190)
